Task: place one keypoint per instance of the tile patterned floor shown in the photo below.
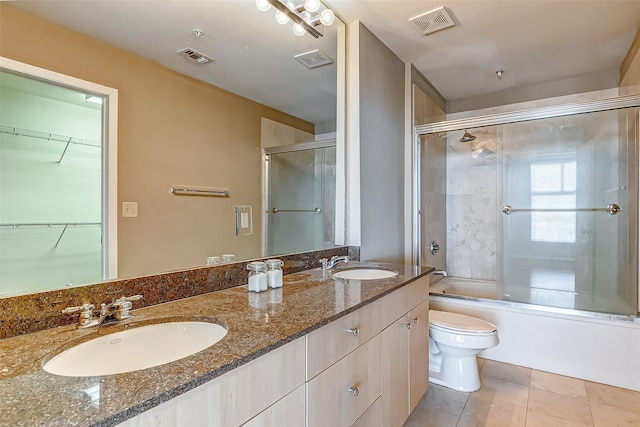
(513, 396)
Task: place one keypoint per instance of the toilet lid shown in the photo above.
(460, 322)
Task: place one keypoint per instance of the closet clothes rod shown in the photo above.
(51, 137)
(49, 224)
(611, 209)
(276, 210)
(65, 225)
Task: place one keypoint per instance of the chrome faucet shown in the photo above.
(329, 264)
(440, 273)
(118, 310)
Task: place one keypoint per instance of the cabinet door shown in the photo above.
(394, 360)
(418, 353)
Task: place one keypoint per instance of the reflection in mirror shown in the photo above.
(181, 123)
(51, 170)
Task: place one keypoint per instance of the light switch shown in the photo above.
(129, 209)
(243, 221)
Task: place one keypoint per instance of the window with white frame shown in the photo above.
(553, 186)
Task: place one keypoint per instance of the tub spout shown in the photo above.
(440, 273)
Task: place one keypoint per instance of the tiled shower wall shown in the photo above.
(472, 206)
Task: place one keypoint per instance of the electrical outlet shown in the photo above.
(129, 209)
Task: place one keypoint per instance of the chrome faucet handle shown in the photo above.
(86, 313)
(123, 305)
(325, 263)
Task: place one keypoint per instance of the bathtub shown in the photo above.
(461, 287)
(591, 346)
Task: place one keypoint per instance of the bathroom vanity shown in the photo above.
(319, 351)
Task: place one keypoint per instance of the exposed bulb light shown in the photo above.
(263, 5)
(299, 30)
(305, 16)
(281, 17)
(327, 17)
(499, 73)
(311, 5)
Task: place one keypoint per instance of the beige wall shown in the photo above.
(172, 130)
(630, 69)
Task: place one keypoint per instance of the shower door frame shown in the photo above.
(518, 116)
(268, 151)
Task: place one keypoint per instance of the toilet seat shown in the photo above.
(460, 323)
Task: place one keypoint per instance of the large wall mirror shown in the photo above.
(182, 121)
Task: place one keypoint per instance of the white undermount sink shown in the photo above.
(365, 274)
(134, 349)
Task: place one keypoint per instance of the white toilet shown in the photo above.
(454, 341)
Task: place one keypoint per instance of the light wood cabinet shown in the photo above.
(288, 411)
(342, 393)
(418, 354)
(405, 364)
(371, 418)
(366, 369)
(330, 343)
(395, 366)
(234, 398)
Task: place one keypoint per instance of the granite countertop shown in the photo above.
(257, 324)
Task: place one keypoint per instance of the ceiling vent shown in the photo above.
(314, 59)
(196, 56)
(433, 21)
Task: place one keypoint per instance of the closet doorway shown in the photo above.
(56, 189)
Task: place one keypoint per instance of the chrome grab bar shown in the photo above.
(276, 210)
(611, 209)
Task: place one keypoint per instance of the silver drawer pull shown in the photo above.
(407, 325)
(354, 331)
(415, 320)
(354, 390)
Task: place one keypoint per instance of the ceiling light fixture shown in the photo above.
(499, 73)
(305, 16)
(93, 98)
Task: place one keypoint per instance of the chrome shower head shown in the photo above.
(467, 137)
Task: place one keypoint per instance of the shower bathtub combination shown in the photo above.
(533, 213)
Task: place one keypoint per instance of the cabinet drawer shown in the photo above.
(401, 301)
(330, 343)
(330, 402)
(288, 411)
(372, 417)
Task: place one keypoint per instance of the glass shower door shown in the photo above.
(561, 247)
(300, 200)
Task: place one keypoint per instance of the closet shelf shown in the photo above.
(51, 137)
(64, 226)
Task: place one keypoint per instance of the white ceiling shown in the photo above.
(533, 41)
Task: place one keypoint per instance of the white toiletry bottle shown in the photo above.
(274, 273)
(257, 276)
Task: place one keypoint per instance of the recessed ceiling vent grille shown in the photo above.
(314, 59)
(433, 21)
(193, 54)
